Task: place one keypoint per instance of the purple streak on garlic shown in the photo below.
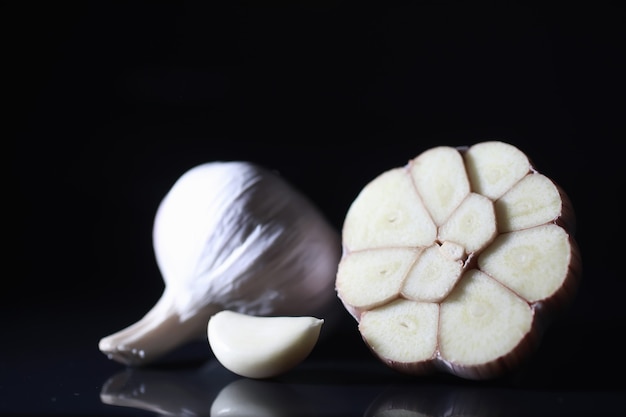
(231, 236)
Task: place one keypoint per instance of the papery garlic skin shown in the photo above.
(232, 236)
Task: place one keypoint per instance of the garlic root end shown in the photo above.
(159, 332)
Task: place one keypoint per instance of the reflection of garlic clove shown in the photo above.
(231, 236)
(248, 397)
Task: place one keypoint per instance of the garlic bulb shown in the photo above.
(458, 261)
(231, 236)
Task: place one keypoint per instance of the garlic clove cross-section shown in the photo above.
(232, 236)
(261, 347)
(458, 261)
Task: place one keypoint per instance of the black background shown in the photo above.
(109, 103)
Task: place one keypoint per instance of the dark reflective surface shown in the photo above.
(340, 378)
(168, 392)
(210, 391)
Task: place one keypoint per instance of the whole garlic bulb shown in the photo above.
(231, 236)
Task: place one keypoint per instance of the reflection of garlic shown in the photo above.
(247, 397)
(231, 235)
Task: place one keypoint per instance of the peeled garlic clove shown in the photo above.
(232, 236)
(458, 260)
(261, 347)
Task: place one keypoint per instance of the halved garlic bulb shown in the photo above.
(457, 260)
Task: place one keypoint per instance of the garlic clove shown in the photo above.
(473, 295)
(232, 236)
(261, 347)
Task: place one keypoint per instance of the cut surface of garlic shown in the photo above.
(261, 347)
(232, 236)
(457, 261)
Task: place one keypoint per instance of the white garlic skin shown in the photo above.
(237, 236)
(232, 236)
